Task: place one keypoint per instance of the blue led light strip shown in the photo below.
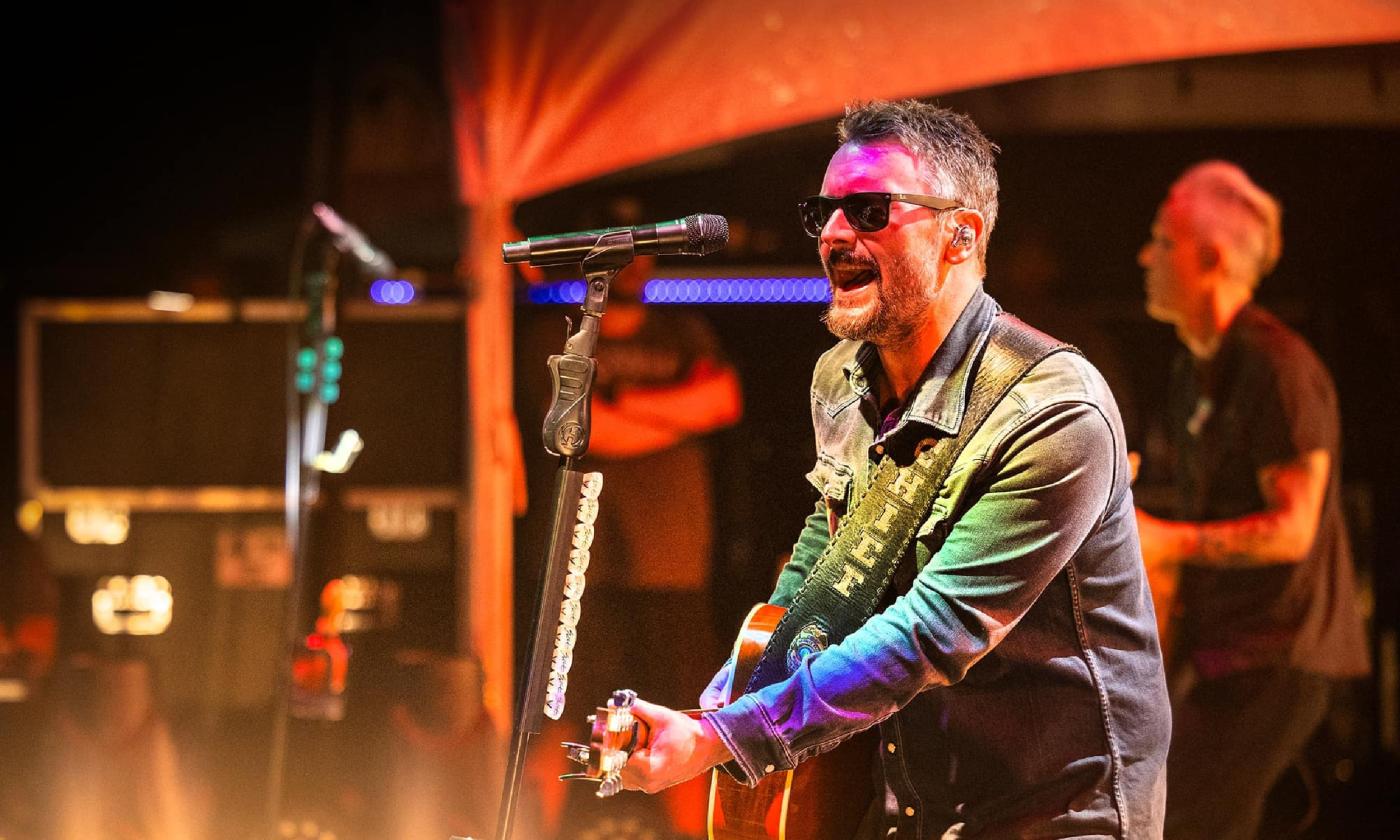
(702, 290)
(391, 292)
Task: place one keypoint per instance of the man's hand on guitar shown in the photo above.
(678, 748)
(716, 694)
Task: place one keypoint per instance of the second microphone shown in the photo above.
(695, 235)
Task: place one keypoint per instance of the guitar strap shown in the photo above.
(846, 584)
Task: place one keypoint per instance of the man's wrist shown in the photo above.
(716, 751)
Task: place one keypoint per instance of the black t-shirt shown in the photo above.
(1264, 399)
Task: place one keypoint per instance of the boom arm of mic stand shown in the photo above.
(566, 432)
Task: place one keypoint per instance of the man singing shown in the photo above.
(1012, 664)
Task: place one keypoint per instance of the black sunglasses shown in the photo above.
(867, 212)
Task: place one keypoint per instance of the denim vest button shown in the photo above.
(889, 747)
(768, 769)
(909, 810)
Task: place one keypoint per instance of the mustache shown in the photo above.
(837, 260)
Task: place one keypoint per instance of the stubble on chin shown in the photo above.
(844, 323)
(874, 325)
(901, 305)
(849, 322)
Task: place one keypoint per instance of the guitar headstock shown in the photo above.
(615, 734)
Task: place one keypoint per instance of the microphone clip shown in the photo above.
(568, 423)
(612, 252)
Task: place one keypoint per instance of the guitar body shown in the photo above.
(824, 798)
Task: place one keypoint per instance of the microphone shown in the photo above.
(695, 235)
(348, 240)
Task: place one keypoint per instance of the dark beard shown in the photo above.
(899, 309)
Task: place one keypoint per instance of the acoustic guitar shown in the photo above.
(824, 798)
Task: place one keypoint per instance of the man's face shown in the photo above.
(1171, 262)
(882, 283)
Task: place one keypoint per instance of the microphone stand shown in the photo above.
(566, 431)
(306, 435)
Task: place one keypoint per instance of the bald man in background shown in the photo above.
(1265, 619)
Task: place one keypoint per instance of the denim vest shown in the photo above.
(1016, 676)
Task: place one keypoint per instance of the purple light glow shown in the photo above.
(704, 290)
(391, 292)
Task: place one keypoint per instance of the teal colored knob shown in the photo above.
(334, 347)
(306, 358)
(330, 392)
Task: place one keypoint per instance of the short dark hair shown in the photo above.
(948, 145)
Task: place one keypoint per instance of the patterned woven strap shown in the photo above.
(849, 580)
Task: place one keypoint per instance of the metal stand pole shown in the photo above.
(566, 432)
(306, 437)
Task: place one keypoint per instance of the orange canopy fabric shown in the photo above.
(547, 93)
(551, 92)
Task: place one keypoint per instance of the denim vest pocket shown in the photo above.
(831, 478)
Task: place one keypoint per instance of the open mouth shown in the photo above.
(853, 280)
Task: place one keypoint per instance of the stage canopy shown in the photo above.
(548, 93)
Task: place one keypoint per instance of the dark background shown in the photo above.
(182, 154)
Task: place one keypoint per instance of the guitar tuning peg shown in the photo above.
(591, 719)
(577, 752)
(611, 786)
(622, 698)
